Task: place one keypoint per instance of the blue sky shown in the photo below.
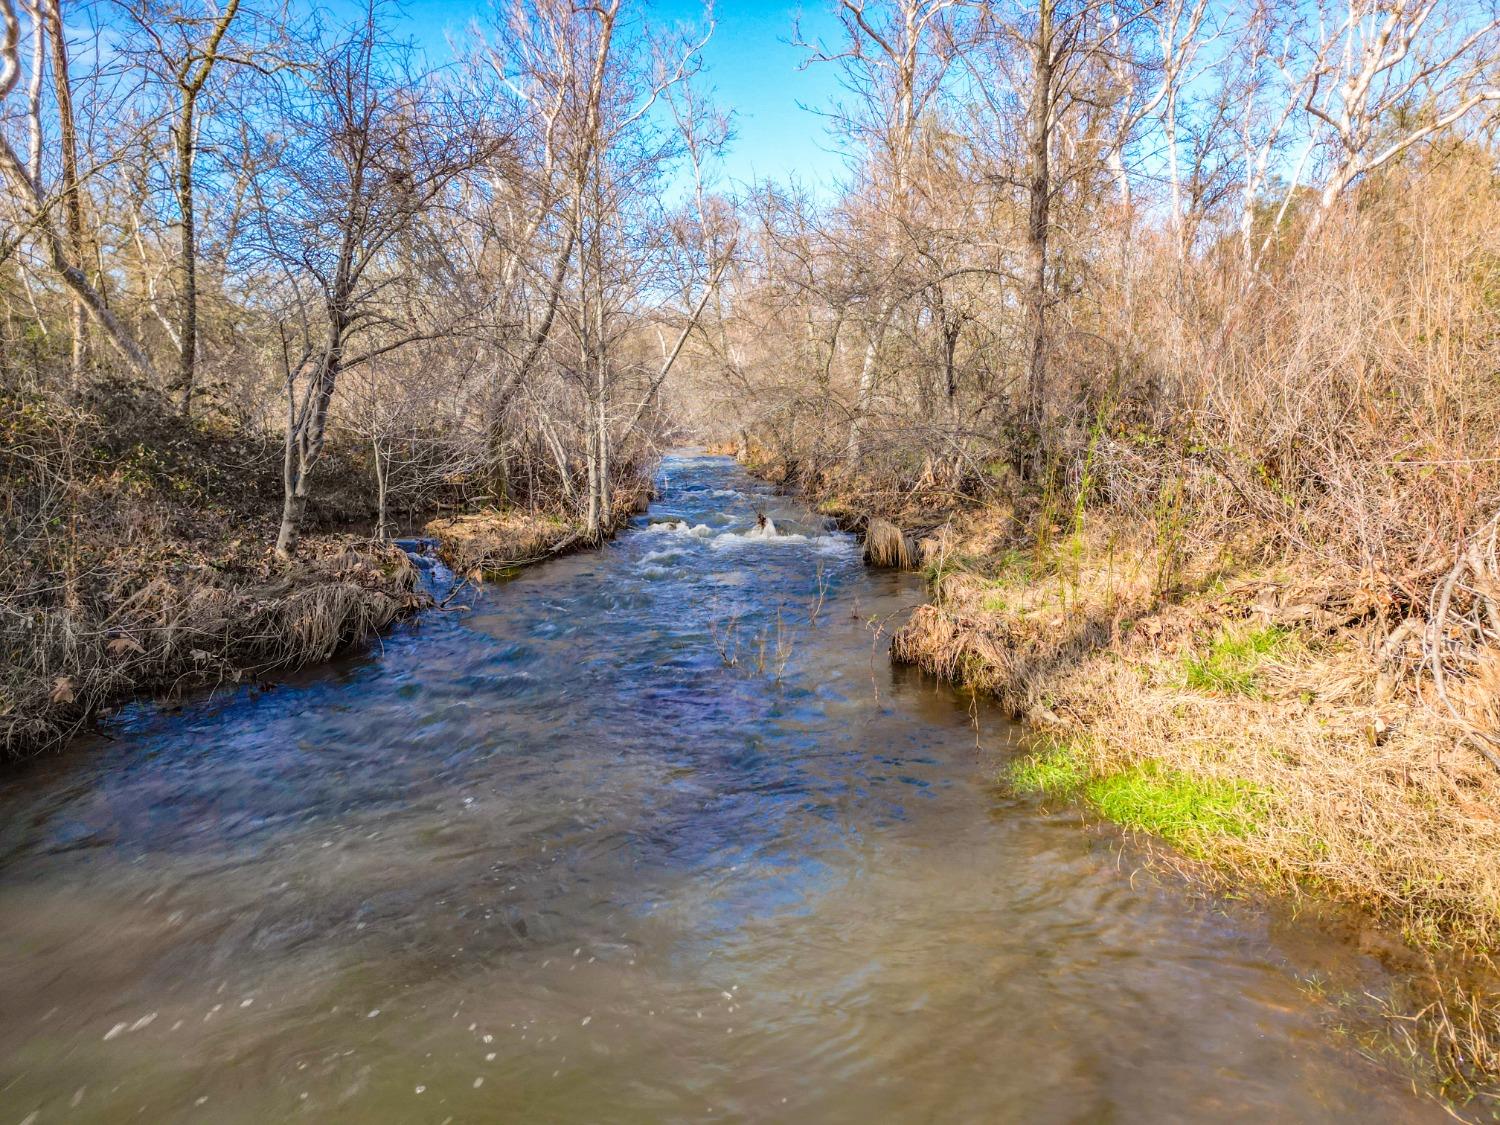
(752, 68)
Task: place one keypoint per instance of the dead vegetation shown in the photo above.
(1252, 542)
(137, 557)
(137, 561)
(198, 627)
(223, 298)
(490, 541)
(886, 545)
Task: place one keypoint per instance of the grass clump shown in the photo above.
(1055, 771)
(886, 545)
(1181, 809)
(1231, 664)
(1012, 566)
(996, 603)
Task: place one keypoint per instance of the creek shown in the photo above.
(650, 833)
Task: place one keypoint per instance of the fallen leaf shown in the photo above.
(62, 690)
(121, 645)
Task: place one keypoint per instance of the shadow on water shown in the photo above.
(655, 832)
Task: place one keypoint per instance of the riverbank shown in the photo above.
(138, 561)
(136, 630)
(1274, 731)
(651, 878)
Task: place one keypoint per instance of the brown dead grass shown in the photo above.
(493, 540)
(886, 545)
(165, 629)
(135, 558)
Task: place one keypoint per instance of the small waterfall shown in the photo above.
(765, 528)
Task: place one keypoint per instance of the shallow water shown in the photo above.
(653, 833)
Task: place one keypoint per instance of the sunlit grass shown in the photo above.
(1180, 808)
(1054, 772)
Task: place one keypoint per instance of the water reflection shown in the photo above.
(651, 833)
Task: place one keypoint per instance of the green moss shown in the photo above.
(1181, 809)
(1055, 771)
(1231, 662)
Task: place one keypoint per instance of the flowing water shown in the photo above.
(652, 833)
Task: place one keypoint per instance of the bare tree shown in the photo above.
(71, 191)
(1387, 75)
(37, 203)
(185, 49)
(372, 149)
(893, 59)
(1053, 61)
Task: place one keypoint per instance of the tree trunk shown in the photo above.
(951, 332)
(1174, 175)
(868, 373)
(293, 508)
(305, 432)
(601, 422)
(72, 199)
(187, 332)
(1039, 191)
(92, 302)
(381, 491)
(191, 84)
(591, 445)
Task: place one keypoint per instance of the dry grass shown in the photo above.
(886, 545)
(192, 626)
(1256, 535)
(495, 541)
(136, 559)
(490, 542)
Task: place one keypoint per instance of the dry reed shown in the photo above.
(886, 545)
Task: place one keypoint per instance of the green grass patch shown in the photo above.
(1181, 809)
(1055, 771)
(1185, 811)
(1231, 662)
